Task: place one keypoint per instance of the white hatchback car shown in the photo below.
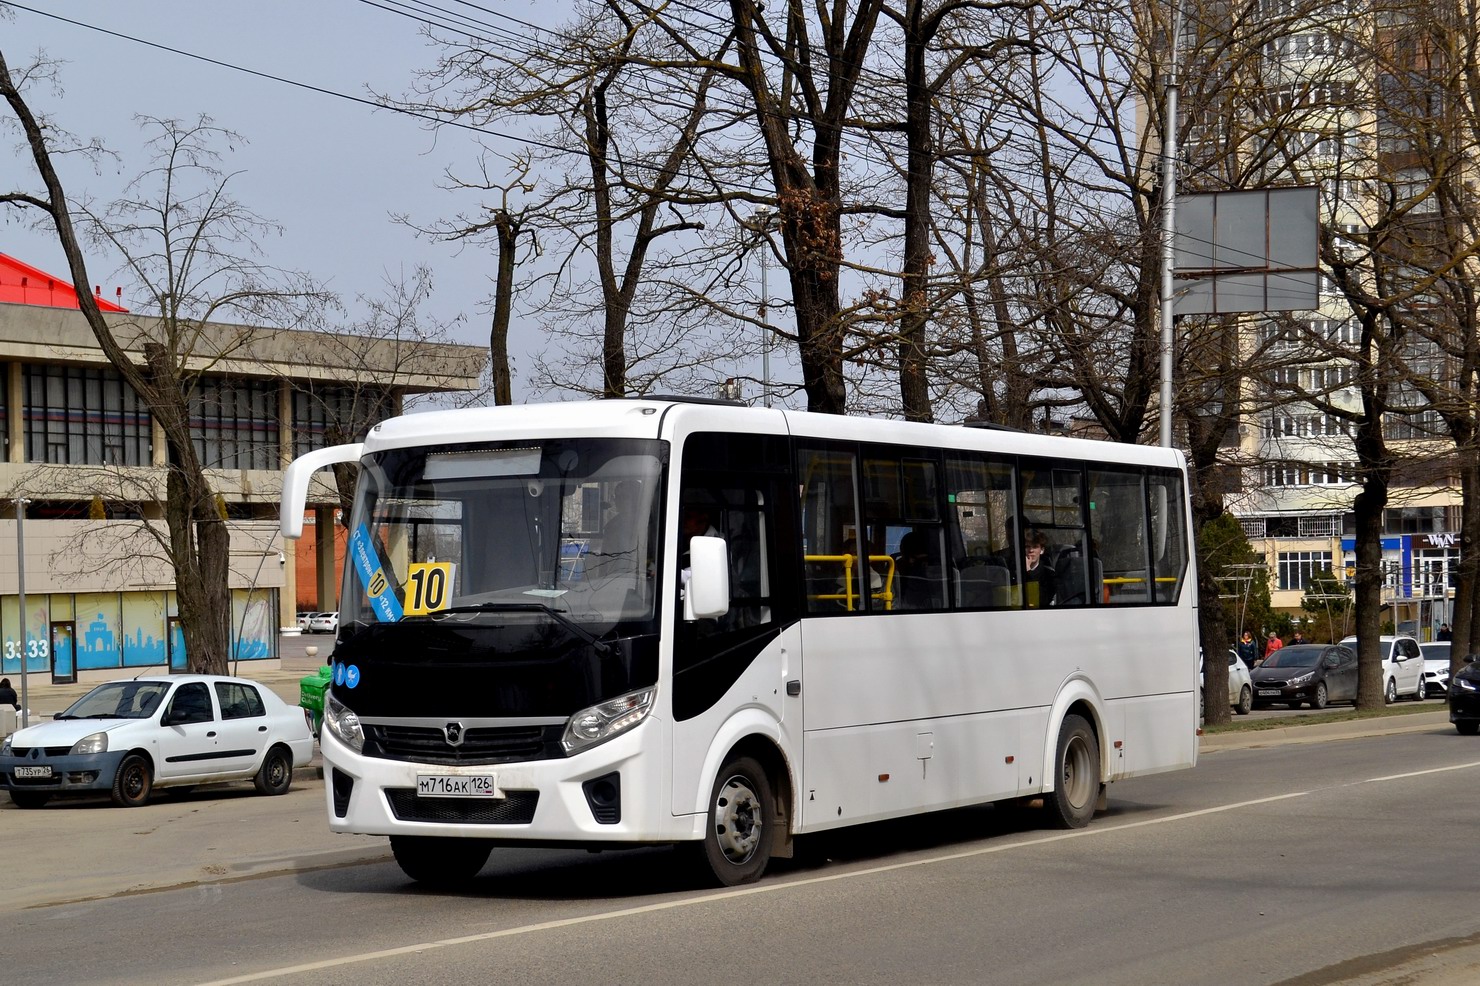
(1436, 667)
(1402, 667)
(127, 738)
(1240, 688)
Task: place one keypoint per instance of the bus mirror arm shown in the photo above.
(707, 594)
(295, 483)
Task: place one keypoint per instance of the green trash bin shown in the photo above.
(311, 694)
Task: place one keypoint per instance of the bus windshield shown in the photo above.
(563, 530)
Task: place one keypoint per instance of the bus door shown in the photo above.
(735, 487)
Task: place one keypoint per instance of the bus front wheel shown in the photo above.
(737, 837)
(1077, 783)
(440, 862)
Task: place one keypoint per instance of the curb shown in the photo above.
(1324, 732)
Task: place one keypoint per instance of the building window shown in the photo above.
(1253, 527)
(80, 416)
(4, 407)
(1298, 567)
(234, 423)
(1320, 527)
(326, 414)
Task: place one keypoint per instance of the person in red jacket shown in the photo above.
(1273, 644)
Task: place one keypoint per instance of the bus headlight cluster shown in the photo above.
(343, 723)
(601, 722)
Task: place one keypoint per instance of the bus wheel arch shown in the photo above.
(749, 790)
(1078, 774)
(1078, 701)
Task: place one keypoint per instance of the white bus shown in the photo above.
(669, 621)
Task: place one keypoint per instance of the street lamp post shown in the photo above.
(20, 570)
(763, 222)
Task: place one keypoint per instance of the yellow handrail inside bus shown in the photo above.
(848, 596)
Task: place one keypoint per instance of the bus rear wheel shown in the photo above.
(1076, 790)
(440, 862)
(737, 836)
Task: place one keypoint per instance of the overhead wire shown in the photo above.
(415, 9)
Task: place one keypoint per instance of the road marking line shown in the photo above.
(1419, 773)
(772, 887)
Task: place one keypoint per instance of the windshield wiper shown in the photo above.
(524, 607)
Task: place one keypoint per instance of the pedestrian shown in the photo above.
(8, 696)
(1445, 633)
(1248, 650)
(1273, 644)
(1299, 638)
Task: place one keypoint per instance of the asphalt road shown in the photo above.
(1337, 862)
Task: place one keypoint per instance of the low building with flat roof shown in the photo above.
(84, 454)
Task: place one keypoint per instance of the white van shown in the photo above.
(1402, 667)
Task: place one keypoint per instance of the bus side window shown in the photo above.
(987, 569)
(834, 581)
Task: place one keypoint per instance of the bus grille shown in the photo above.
(515, 808)
(498, 744)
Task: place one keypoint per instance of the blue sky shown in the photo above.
(329, 170)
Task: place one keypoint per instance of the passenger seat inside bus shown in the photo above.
(1069, 567)
(981, 583)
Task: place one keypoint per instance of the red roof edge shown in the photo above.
(22, 284)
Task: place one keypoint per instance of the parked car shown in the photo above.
(129, 738)
(1435, 667)
(1402, 667)
(1296, 674)
(323, 623)
(1464, 698)
(1240, 690)
(304, 619)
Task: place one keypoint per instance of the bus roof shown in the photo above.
(662, 417)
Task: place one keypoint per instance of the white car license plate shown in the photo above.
(457, 786)
(42, 771)
(1269, 691)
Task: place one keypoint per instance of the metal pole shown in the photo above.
(764, 214)
(1169, 227)
(20, 570)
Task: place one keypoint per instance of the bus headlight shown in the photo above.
(601, 722)
(91, 743)
(343, 723)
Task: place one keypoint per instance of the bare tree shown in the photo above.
(177, 228)
(623, 103)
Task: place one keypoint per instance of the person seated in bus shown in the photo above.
(620, 537)
(619, 534)
(918, 577)
(1040, 581)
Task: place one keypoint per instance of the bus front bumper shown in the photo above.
(614, 792)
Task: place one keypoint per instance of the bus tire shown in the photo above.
(443, 863)
(1076, 790)
(737, 834)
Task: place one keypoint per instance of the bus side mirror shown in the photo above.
(707, 594)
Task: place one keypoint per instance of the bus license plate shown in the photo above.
(43, 771)
(457, 786)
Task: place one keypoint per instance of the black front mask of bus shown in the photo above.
(487, 669)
